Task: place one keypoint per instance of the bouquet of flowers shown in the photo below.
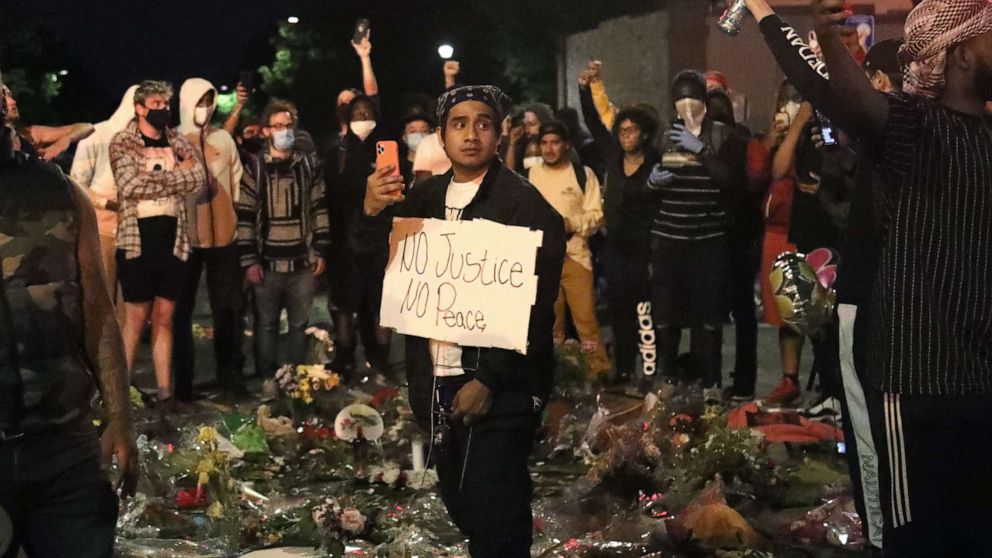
(321, 345)
(339, 524)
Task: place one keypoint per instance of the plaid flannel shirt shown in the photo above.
(135, 184)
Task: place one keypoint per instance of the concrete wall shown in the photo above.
(634, 52)
(640, 54)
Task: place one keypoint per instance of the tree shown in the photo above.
(28, 48)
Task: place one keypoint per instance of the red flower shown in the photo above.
(190, 498)
(383, 395)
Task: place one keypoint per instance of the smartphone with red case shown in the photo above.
(388, 153)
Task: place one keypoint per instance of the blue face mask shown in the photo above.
(283, 139)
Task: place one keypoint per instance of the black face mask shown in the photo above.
(254, 144)
(159, 118)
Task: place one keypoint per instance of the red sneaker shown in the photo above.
(786, 392)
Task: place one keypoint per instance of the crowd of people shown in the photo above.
(668, 226)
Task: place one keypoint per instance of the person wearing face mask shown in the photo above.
(416, 128)
(251, 142)
(356, 285)
(283, 236)
(689, 245)
(212, 233)
(91, 170)
(155, 168)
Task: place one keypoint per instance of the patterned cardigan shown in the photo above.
(135, 184)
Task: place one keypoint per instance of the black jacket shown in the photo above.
(507, 198)
(628, 205)
(347, 166)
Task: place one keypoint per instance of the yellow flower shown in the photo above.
(208, 435)
(206, 465)
(216, 510)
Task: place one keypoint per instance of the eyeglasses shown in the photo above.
(281, 127)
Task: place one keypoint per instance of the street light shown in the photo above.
(293, 19)
(446, 51)
(63, 73)
(224, 88)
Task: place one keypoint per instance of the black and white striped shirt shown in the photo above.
(694, 206)
(932, 331)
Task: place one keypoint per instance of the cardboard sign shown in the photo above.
(471, 283)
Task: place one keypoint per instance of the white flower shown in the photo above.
(391, 474)
(421, 480)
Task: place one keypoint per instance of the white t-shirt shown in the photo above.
(159, 159)
(431, 157)
(448, 356)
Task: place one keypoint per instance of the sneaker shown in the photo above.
(786, 392)
(828, 409)
(713, 395)
(738, 394)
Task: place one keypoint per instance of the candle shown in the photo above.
(418, 454)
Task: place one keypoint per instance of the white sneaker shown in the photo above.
(828, 409)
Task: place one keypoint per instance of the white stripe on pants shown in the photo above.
(901, 513)
(857, 408)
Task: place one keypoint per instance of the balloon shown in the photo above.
(804, 295)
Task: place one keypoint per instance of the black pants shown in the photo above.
(58, 500)
(356, 291)
(227, 304)
(744, 262)
(629, 290)
(826, 360)
(486, 487)
(687, 282)
(935, 487)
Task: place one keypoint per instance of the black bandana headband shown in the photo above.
(488, 94)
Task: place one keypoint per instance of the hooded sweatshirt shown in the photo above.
(212, 219)
(91, 166)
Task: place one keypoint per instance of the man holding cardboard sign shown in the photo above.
(481, 403)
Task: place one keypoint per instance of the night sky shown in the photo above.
(110, 44)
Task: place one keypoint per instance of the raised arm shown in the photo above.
(364, 51)
(607, 112)
(104, 348)
(855, 101)
(600, 134)
(785, 157)
(231, 124)
(451, 70)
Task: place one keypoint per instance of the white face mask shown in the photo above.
(283, 140)
(362, 128)
(201, 116)
(692, 112)
(531, 162)
(413, 140)
(792, 109)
